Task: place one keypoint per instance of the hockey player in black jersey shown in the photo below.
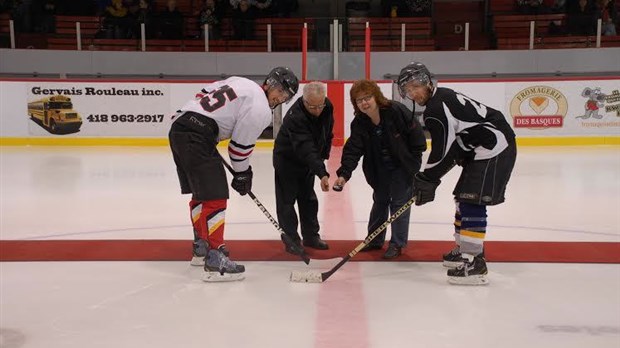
(476, 137)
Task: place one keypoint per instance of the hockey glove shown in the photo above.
(242, 181)
(424, 188)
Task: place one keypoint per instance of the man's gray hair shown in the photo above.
(314, 88)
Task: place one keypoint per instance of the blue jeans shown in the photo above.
(395, 188)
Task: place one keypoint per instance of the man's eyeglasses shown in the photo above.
(313, 107)
(363, 99)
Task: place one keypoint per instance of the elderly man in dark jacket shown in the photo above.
(302, 145)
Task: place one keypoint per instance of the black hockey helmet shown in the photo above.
(415, 71)
(285, 78)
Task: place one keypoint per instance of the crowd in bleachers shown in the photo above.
(243, 23)
(165, 19)
(581, 15)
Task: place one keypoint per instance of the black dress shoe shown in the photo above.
(393, 251)
(316, 243)
(290, 250)
(371, 247)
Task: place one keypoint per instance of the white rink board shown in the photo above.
(142, 109)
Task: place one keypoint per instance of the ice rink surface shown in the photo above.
(569, 194)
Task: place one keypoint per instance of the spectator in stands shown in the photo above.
(419, 8)
(210, 14)
(171, 22)
(607, 13)
(43, 12)
(264, 8)
(284, 8)
(21, 16)
(559, 6)
(531, 7)
(101, 5)
(144, 14)
(243, 20)
(235, 3)
(117, 21)
(581, 18)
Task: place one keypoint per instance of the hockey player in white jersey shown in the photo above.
(479, 139)
(237, 109)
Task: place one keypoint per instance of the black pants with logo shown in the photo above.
(193, 141)
(484, 182)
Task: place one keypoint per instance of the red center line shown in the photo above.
(341, 314)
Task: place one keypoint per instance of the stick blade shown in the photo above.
(306, 277)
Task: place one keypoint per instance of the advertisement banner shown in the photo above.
(89, 109)
(564, 107)
(98, 109)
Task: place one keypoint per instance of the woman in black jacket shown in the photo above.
(391, 141)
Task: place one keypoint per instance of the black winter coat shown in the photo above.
(405, 137)
(304, 140)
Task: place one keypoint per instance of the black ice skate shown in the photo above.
(199, 252)
(219, 268)
(472, 272)
(454, 258)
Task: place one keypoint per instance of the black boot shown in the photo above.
(316, 243)
(291, 250)
(393, 251)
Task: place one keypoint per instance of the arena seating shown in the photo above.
(510, 31)
(385, 34)
(89, 26)
(4, 31)
(518, 26)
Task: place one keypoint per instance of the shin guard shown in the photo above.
(473, 228)
(457, 225)
(208, 220)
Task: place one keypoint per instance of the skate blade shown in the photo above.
(480, 279)
(215, 277)
(197, 261)
(452, 264)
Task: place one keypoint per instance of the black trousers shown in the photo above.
(484, 182)
(295, 183)
(199, 165)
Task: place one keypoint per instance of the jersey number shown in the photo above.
(481, 109)
(217, 98)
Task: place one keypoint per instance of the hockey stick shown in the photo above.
(285, 237)
(318, 277)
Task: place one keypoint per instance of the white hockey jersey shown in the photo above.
(240, 109)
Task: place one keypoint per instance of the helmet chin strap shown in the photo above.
(269, 87)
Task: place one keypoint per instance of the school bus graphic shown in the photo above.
(55, 114)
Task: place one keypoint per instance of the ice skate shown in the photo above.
(219, 268)
(472, 272)
(454, 258)
(199, 252)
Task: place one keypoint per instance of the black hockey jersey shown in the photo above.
(462, 129)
